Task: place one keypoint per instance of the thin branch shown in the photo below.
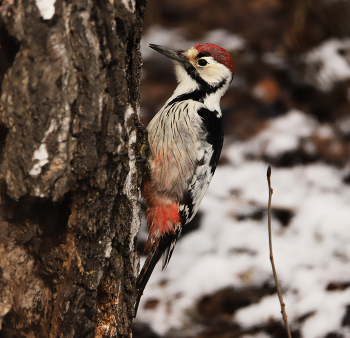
(280, 297)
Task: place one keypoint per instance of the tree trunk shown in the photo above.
(69, 176)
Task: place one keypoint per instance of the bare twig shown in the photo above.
(280, 297)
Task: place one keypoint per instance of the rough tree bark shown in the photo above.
(69, 175)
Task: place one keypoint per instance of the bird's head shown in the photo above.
(206, 64)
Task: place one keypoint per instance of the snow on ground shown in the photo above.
(311, 252)
(329, 63)
(284, 134)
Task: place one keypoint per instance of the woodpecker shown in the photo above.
(185, 140)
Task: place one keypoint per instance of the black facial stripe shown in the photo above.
(192, 72)
(203, 86)
(198, 94)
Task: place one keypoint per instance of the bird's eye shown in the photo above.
(202, 62)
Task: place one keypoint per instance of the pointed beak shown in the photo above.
(177, 55)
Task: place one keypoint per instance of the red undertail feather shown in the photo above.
(162, 219)
(162, 214)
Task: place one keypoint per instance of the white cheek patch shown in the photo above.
(214, 73)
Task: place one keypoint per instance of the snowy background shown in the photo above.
(287, 107)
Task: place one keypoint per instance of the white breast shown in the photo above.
(180, 154)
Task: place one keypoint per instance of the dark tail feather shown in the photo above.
(157, 250)
(168, 252)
